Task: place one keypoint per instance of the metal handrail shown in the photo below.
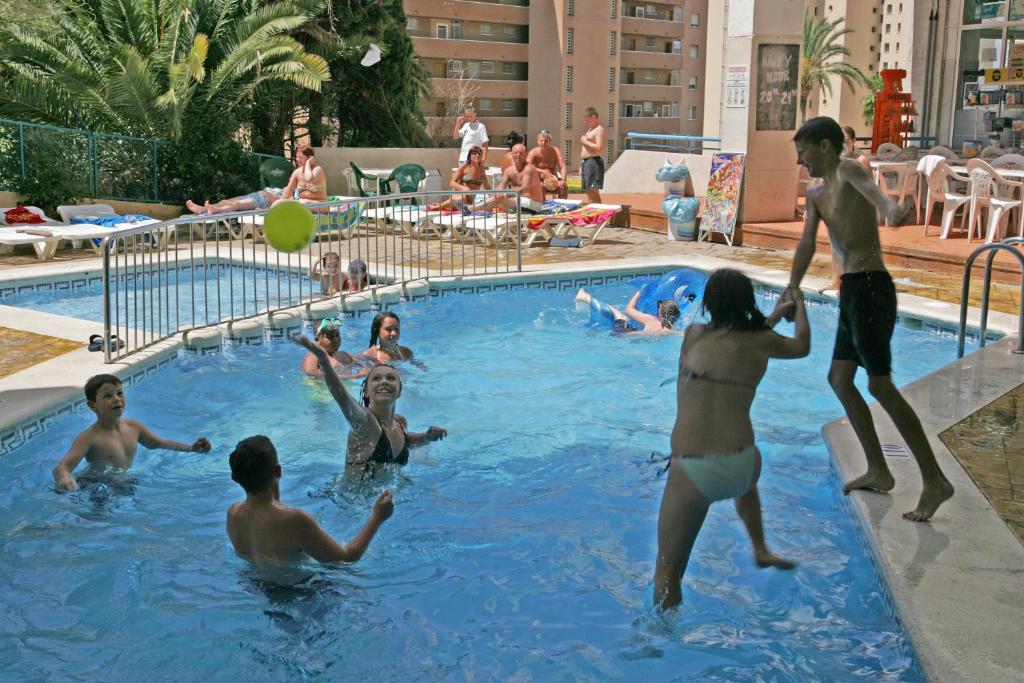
(157, 283)
(992, 249)
(632, 139)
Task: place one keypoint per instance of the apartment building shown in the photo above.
(528, 65)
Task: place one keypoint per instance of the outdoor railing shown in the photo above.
(1007, 245)
(163, 279)
(670, 143)
(84, 163)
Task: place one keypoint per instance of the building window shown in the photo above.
(608, 152)
(649, 41)
(568, 79)
(615, 9)
(612, 42)
(486, 67)
(510, 105)
(567, 154)
(648, 75)
(413, 23)
(570, 8)
(694, 20)
(455, 66)
(569, 33)
(442, 31)
(508, 69)
(484, 104)
(485, 29)
(692, 114)
(611, 79)
(695, 52)
(693, 83)
(888, 27)
(510, 31)
(885, 48)
(611, 114)
(568, 115)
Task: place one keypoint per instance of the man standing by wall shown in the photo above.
(592, 164)
(473, 134)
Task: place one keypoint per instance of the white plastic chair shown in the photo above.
(907, 154)
(887, 151)
(991, 191)
(941, 190)
(992, 152)
(944, 152)
(899, 181)
(1013, 161)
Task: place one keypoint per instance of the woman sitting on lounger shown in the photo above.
(714, 456)
(308, 184)
(378, 434)
(470, 176)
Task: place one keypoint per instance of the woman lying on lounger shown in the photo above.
(714, 456)
(378, 434)
(308, 184)
(470, 176)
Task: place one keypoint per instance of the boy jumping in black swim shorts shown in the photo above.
(849, 203)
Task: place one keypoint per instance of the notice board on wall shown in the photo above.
(778, 78)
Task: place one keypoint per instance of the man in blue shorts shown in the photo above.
(849, 202)
(591, 161)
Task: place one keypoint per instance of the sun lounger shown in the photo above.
(343, 219)
(46, 220)
(45, 246)
(595, 216)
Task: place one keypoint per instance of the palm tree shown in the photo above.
(823, 57)
(150, 67)
(867, 102)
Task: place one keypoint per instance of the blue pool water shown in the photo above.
(247, 290)
(521, 547)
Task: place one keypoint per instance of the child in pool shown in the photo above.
(264, 530)
(112, 440)
(328, 336)
(328, 271)
(653, 325)
(714, 456)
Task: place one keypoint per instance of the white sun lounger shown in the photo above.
(326, 223)
(560, 224)
(44, 246)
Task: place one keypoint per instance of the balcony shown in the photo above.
(650, 93)
(439, 48)
(650, 27)
(652, 44)
(661, 13)
(463, 10)
(479, 87)
(633, 59)
(475, 70)
(650, 124)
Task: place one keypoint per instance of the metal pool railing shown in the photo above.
(1006, 245)
(671, 143)
(193, 272)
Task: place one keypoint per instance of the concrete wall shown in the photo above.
(633, 172)
(160, 211)
(335, 161)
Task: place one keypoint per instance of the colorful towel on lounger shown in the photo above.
(584, 216)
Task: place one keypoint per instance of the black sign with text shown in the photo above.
(778, 78)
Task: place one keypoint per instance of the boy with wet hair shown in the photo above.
(849, 203)
(112, 440)
(263, 530)
(328, 335)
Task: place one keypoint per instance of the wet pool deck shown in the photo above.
(933, 570)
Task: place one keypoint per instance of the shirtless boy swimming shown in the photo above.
(849, 203)
(112, 440)
(266, 531)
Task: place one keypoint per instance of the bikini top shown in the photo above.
(382, 452)
(310, 186)
(470, 181)
(688, 373)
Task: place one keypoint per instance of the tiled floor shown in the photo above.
(25, 349)
(990, 446)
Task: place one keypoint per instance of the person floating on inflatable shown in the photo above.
(665, 298)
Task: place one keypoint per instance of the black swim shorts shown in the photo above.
(867, 318)
(593, 173)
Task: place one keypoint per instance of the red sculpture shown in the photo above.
(893, 111)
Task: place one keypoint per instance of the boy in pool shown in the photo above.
(653, 325)
(329, 337)
(849, 203)
(112, 440)
(264, 530)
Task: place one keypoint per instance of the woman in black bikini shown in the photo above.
(470, 176)
(378, 434)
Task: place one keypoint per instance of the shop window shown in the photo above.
(987, 11)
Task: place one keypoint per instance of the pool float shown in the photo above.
(684, 286)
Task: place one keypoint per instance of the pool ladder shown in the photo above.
(992, 250)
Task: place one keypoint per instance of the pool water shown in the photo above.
(521, 547)
(244, 290)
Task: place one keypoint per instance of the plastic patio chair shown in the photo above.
(941, 190)
(991, 191)
(899, 181)
(275, 172)
(362, 179)
(1011, 161)
(887, 151)
(408, 178)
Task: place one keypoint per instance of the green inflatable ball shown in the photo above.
(289, 226)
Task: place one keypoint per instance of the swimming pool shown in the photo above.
(245, 288)
(521, 547)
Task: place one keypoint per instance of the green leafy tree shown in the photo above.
(153, 68)
(868, 101)
(375, 105)
(824, 57)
